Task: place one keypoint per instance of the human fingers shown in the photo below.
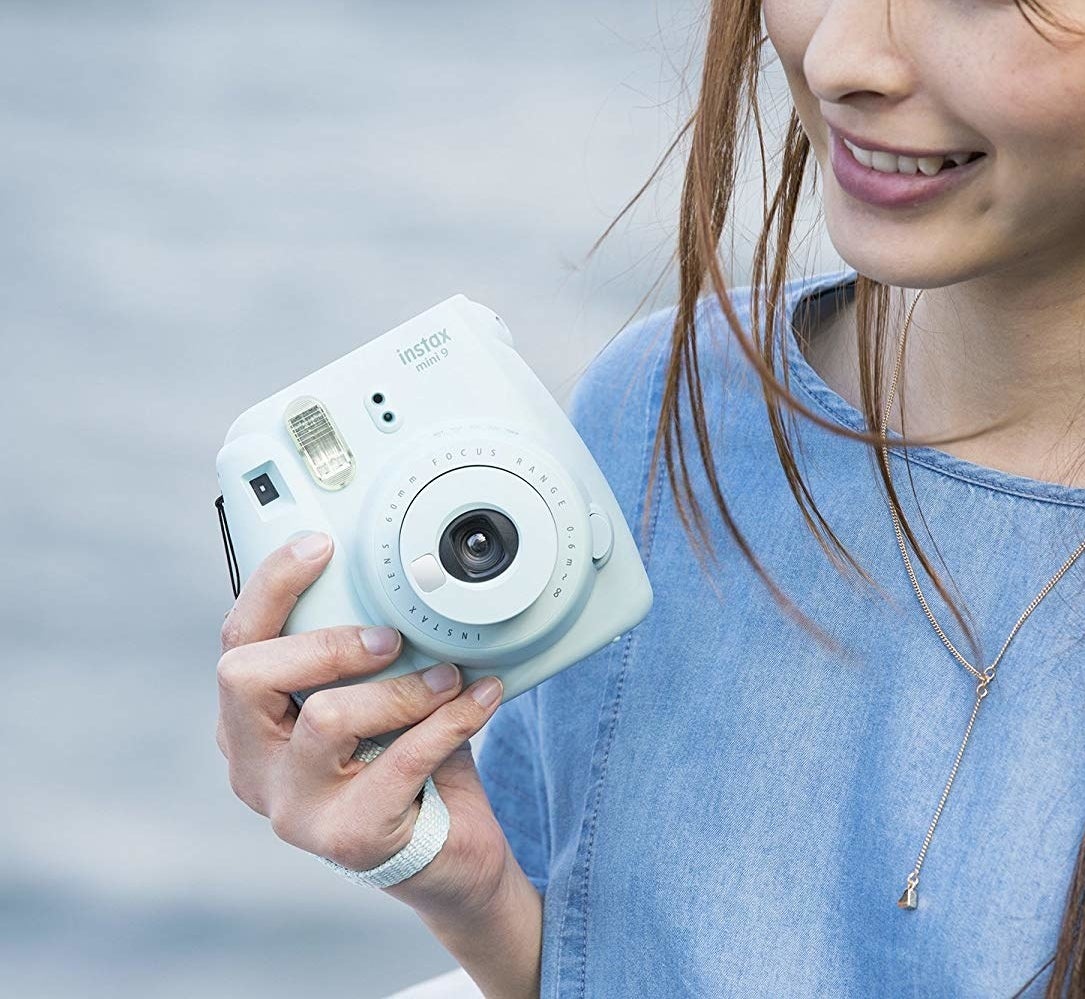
(396, 776)
(270, 593)
(332, 721)
(372, 813)
(255, 682)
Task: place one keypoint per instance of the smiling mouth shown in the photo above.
(893, 180)
(898, 163)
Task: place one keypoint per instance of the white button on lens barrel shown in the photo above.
(427, 573)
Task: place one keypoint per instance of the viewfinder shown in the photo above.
(264, 488)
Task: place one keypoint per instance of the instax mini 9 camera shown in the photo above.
(465, 509)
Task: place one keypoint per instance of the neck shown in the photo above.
(979, 351)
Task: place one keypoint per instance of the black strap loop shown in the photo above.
(228, 543)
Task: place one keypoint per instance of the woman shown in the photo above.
(822, 765)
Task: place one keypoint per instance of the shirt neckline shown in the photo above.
(844, 413)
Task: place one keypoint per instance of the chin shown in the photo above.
(906, 251)
(869, 247)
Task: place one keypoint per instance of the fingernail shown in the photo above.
(311, 545)
(441, 677)
(487, 691)
(380, 640)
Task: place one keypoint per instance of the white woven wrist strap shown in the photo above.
(429, 835)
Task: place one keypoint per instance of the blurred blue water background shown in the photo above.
(200, 203)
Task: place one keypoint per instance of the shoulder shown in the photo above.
(616, 402)
(632, 357)
(631, 361)
(629, 368)
(620, 383)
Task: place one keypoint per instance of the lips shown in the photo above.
(893, 190)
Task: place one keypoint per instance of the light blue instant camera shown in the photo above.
(465, 509)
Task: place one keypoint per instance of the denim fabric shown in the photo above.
(715, 806)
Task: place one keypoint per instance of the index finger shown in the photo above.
(270, 593)
(255, 680)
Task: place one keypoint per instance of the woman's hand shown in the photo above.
(297, 767)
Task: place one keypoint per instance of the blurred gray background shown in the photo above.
(200, 203)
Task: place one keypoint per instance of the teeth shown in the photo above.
(891, 163)
(864, 156)
(884, 162)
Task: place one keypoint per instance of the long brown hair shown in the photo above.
(721, 116)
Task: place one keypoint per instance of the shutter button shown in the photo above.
(602, 536)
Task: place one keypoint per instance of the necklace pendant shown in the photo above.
(909, 900)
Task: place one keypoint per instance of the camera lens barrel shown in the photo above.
(466, 540)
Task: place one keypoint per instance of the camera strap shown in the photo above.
(428, 836)
(228, 544)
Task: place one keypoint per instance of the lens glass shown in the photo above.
(478, 545)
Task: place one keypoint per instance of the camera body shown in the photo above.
(465, 509)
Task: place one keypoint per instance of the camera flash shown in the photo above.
(326, 455)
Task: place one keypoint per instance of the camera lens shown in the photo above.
(478, 545)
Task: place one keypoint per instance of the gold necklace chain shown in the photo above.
(909, 899)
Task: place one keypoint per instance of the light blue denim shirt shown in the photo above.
(714, 806)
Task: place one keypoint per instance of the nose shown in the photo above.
(856, 51)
